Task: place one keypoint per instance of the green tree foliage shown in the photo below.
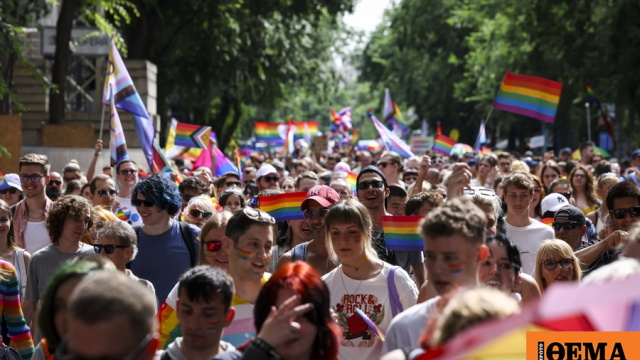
(225, 63)
(447, 59)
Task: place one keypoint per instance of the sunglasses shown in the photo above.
(565, 263)
(213, 245)
(196, 213)
(566, 195)
(310, 214)
(376, 184)
(128, 171)
(481, 191)
(103, 193)
(139, 202)
(233, 183)
(54, 182)
(10, 191)
(567, 225)
(270, 178)
(634, 211)
(383, 164)
(33, 178)
(258, 215)
(108, 249)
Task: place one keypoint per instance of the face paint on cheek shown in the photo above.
(213, 326)
(245, 255)
(455, 269)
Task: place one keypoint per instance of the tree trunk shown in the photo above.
(60, 66)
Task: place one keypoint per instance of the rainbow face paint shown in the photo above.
(213, 326)
(455, 269)
(244, 255)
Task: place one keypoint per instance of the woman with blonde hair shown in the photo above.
(605, 182)
(362, 275)
(556, 262)
(199, 210)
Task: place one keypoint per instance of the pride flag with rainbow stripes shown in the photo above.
(269, 133)
(401, 233)
(283, 207)
(530, 96)
(443, 144)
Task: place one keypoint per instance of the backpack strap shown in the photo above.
(394, 297)
(299, 252)
(187, 237)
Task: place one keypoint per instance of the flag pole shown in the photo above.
(587, 106)
(102, 120)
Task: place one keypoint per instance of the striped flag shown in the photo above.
(401, 233)
(352, 180)
(192, 135)
(117, 141)
(171, 150)
(443, 144)
(126, 98)
(393, 116)
(223, 164)
(391, 141)
(283, 207)
(529, 96)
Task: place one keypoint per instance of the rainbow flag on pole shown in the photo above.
(401, 233)
(443, 144)
(268, 132)
(283, 207)
(529, 96)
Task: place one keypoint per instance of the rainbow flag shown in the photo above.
(484, 151)
(303, 127)
(529, 96)
(401, 233)
(443, 144)
(283, 207)
(270, 133)
(171, 150)
(192, 135)
(547, 221)
(351, 180)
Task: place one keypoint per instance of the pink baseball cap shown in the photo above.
(322, 194)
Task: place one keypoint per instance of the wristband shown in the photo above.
(266, 348)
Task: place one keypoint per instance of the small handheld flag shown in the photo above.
(529, 96)
(391, 141)
(443, 144)
(401, 233)
(283, 207)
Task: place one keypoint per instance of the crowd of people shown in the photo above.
(129, 265)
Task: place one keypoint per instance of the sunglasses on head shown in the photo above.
(139, 202)
(33, 178)
(634, 211)
(233, 183)
(128, 171)
(9, 190)
(108, 249)
(376, 184)
(565, 263)
(566, 225)
(258, 215)
(103, 193)
(310, 214)
(270, 178)
(54, 182)
(195, 213)
(213, 245)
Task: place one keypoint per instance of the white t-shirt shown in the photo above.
(36, 236)
(371, 297)
(127, 212)
(406, 328)
(528, 239)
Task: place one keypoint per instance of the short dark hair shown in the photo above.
(587, 144)
(395, 190)
(207, 282)
(558, 181)
(621, 190)
(227, 193)
(92, 184)
(193, 182)
(240, 222)
(161, 191)
(418, 200)
(513, 254)
(36, 159)
(124, 162)
(223, 178)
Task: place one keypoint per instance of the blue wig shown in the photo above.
(161, 191)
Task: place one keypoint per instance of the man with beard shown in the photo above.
(315, 207)
(31, 212)
(54, 186)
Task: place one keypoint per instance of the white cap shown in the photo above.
(266, 169)
(553, 202)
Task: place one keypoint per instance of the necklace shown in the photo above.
(356, 267)
(345, 286)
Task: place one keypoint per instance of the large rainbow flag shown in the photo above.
(401, 233)
(529, 96)
(283, 207)
(269, 132)
(443, 144)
